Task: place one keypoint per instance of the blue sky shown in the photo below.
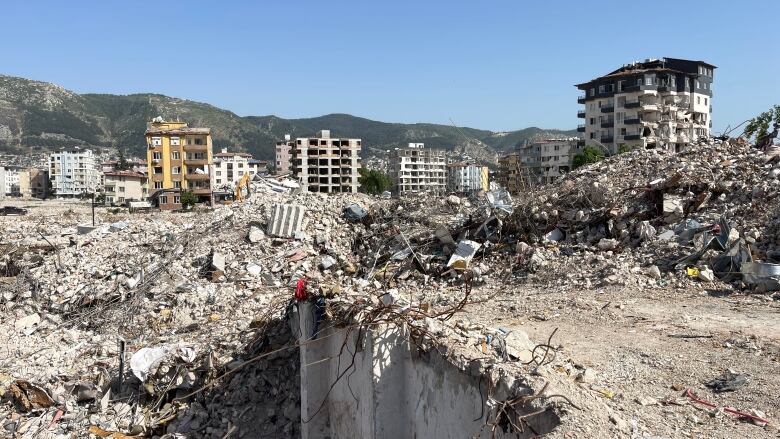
(496, 65)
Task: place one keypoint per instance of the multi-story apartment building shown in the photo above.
(418, 169)
(323, 164)
(123, 186)
(466, 177)
(179, 158)
(2, 182)
(555, 157)
(230, 167)
(74, 173)
(530, 163)
(663, 103)
(510, 173)
(283, 154)
(34, 182)
(13, 180)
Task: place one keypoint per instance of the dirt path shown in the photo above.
(644, 344)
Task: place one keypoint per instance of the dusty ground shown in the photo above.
(645, 343)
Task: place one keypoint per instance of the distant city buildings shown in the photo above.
(74, 173)
(418, 169)
(230, 167)
(12, 180)
(467, 177)
(123, 186)
(324, 164)
(283, 155)
(555, 157)
(664, 103)
(179, 158)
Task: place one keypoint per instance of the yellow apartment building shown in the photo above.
(179, 157)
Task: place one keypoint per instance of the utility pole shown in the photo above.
(93, 208)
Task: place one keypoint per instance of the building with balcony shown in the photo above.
(416, 169)
(179, 157)
(13, 180)
(510, 172)
(658, 103)
(466, 177)
(283, 154)
(124, 186)
(324, 164)
(74, 173)
(230, 167)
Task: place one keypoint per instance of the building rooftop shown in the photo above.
(177, 131)
(232, 154)
(650, 65)
(131, 174)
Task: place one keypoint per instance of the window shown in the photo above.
(592, 135)
(240, 165)
(705, 101)
(240, 173)
(175, 141)
(163, 199)
(176, 199)
(648, 80)
(591, 92)
(156, 156)
(156, 141)
(622, 131)
(218, 173)
(218, 180)
(120, 189)
(698, 99)
(121, 199)
(175, 155)
(158, 185)
(176, 170)
(199, 141)
(157, 170)
(592, 120)
(176, 183)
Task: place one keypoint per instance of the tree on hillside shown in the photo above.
(373, 182)
(588, 155)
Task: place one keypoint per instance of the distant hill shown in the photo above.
(44, 116)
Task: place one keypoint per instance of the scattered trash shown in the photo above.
(728, 382)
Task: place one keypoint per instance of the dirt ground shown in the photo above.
(643, 344)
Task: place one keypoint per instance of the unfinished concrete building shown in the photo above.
(323, 164)
(418, 169)
(663, 103)
(283, 151)
(510, 172)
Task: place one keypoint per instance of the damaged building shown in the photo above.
(325, 164)
(418, 169)
(664, 103)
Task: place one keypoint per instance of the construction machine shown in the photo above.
(243, 187)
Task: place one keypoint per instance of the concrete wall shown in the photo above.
(389, 391)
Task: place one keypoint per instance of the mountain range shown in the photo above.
(41, 116)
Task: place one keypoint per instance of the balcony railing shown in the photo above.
(608, 108)
(581, 128)
(608, 124)
(632, 121)
(631, 137)
(581, 99)
(632, 104)
(581, 114)
(609, 139)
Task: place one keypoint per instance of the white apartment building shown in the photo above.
(323, 164)
(465, 177)
(123, 186)
(11, 180)
(418, 169)
(74, 173)
(663, 103)
(230, 167)
(555, 155)
(283, 155)
(2, 182)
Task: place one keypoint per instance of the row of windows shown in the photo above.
(175, 141)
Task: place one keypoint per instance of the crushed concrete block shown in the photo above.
(285, 220)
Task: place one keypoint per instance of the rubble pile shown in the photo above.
(638, 215)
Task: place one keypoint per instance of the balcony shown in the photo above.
(609, 139)
(648, 107)
(581, 114)
(580, 143)
(632, 104)
(581, 128)
(632, 121)
(581, 99)
(608, 108)
(195, 147)
(197, 162)
(630, 88)
(608, 124)
(631, 137)
(201, 191)
(197, 177)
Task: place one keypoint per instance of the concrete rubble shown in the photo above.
(175, 325)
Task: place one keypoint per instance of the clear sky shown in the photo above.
(496, 65)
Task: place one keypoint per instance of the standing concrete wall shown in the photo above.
(388, 391)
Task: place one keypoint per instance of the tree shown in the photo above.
(373, 182)
(188, 198)
(759, 126)
(588, 155)
(121, 164)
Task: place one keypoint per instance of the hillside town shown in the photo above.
(622, 282)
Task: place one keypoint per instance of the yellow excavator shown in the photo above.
(243, 188)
